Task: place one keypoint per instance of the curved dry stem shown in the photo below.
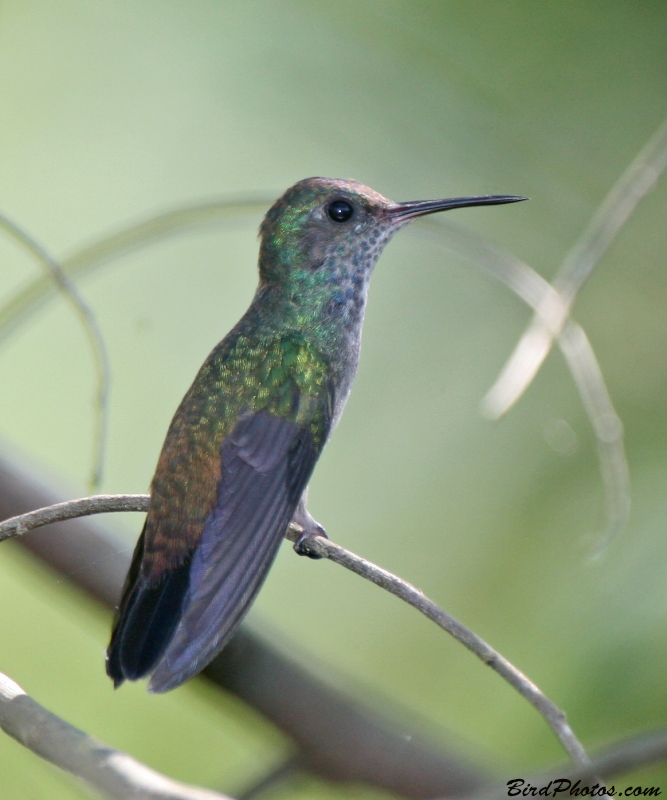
(616, 209)
(535, 291)
(134, 237)
(57, 276)
(325, 548)
(608, 429)
(116, 775)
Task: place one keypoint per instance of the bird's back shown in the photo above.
(235, 462)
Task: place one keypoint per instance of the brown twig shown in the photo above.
(553, 715)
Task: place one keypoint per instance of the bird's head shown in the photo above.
(322, 225)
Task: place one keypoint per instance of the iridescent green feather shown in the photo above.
(285, 375)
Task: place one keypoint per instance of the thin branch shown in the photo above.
(71, 509)
(553, 715)
(617, 207)
(618, 759)
(340, 736)
(56, 275)
(113, 773)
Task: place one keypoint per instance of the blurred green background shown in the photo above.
(112, 111)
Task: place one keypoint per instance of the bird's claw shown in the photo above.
(301, 547)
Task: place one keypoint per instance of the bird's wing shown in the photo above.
(266, 464)
(205, 551)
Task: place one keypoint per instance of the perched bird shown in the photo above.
(244, 441)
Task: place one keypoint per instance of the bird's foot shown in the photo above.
(310, 527)
(301, 546)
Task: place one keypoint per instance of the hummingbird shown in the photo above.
(234, 468)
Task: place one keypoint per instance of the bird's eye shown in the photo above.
(340, 211)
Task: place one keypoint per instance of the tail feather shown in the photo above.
(146, 620)
(173, 627)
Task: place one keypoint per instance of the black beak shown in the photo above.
(406, 211)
